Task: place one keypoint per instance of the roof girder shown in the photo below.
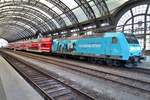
(25, 21)
(13, 30)
(86, 8)
(65, 9)
(31, 18)
(18, 25)
(26, 12)
(37, 5)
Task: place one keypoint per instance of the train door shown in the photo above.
(107, 46)
(115, 49)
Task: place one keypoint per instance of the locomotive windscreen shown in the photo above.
(131, 38)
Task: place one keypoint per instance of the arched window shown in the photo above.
(137, 21)
(3, 43)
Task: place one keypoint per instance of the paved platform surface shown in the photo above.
(13, 86)
(102, 87)
(145, 63)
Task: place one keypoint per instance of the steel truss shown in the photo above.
(40, 17)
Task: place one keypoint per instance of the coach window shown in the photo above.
(114, 40)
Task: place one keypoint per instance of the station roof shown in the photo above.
(23, 18)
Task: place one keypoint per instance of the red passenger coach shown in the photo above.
(45, 44)
(35, 45)
(21, 45)
(40, 45)
(18, 45)
(11, 45)
(26, 45)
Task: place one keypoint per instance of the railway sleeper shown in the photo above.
(60, 93)
(52, 83)
(52, 87)
(45, 81)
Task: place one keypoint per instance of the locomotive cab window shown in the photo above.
(131, 38)
(114, 40)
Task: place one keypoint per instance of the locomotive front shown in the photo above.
(135, 50)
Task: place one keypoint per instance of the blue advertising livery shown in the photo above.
(111, 45)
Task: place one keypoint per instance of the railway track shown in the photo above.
(49, 87)
(134, 69)
(141, 86)
(141, 70)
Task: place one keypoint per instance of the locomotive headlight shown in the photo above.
(135, 49)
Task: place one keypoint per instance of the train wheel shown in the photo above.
(101, 62)
(109, 62)
(93, 60)
(117, 63)
(64, 56)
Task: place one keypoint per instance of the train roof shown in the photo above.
(113, 34)
(107, 34)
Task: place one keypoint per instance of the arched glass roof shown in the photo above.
(136, 20)
(23, 18)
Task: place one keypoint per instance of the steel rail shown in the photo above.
(49, 87)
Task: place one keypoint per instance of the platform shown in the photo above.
(13, 86)
(145, 63)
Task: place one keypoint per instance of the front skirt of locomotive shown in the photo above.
(134, 61)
